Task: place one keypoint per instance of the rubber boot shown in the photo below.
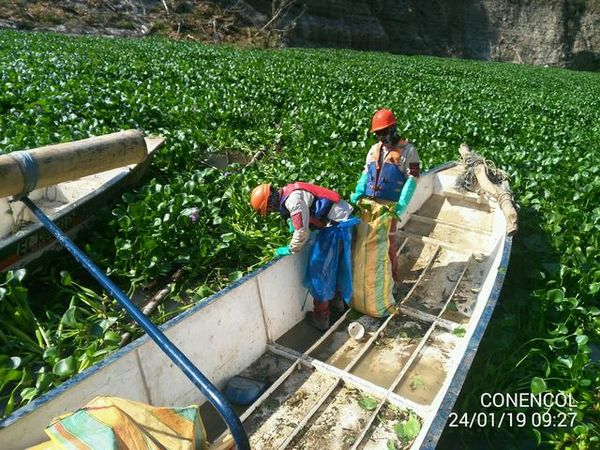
(319, 317)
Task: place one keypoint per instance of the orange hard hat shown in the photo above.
(260, 198)
(382, 119)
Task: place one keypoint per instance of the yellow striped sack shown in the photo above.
(372, 281)
(108, 423)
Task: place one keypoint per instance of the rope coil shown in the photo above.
(467, 181)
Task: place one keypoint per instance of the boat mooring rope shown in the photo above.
(467, 181)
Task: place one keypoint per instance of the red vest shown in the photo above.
(317, 191)
(324, 200)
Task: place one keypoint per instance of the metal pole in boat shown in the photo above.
(171, 350)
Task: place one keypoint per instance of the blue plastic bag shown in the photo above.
(330, 265)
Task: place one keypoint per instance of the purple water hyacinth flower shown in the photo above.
(194, 215)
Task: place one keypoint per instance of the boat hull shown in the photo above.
(413, 363)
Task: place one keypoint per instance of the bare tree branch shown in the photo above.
(278, 8)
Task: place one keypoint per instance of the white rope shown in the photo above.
(467, 181)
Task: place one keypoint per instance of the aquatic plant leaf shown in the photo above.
(65, 367)
(408, 430)
(368, 403)
(538, 385)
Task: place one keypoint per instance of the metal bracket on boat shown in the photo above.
(170, 349)
(29, 169)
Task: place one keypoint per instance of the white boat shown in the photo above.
(324, 390)
(71, 205)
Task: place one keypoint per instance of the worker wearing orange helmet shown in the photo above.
(391, 168)
(307, 206)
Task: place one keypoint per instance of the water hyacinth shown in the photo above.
(309, 111)
(194, 214)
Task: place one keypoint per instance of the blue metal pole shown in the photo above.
(191, 371)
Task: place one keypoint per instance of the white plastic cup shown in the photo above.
(356, 331)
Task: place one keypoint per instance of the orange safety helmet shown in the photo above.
(260, 198)
(382, 119)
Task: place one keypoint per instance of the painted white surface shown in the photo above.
(284, 298)
(221, 340)
(53, 199)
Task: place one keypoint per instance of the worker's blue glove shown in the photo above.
(359, 190)
(406, 195)
(282, 251)
(291, 228)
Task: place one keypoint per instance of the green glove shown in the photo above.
(291, 228)
(359, 190)
(407, 192)
(282, 251)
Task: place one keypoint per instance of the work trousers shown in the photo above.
(393, 249)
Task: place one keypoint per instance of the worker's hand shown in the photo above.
(291, 228)
(283, 251)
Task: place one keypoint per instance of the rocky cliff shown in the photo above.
(564, 33)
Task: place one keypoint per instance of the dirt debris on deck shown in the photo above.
(339, 349)
(268, 368)
(426, 375)
(412, 260)
(390, 351)
(338, 422)
(438, 282)
(285, 408)
(464, 300)
(383, 434)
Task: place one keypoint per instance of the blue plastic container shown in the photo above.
(243, 391)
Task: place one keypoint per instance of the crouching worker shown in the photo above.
(329, 268)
